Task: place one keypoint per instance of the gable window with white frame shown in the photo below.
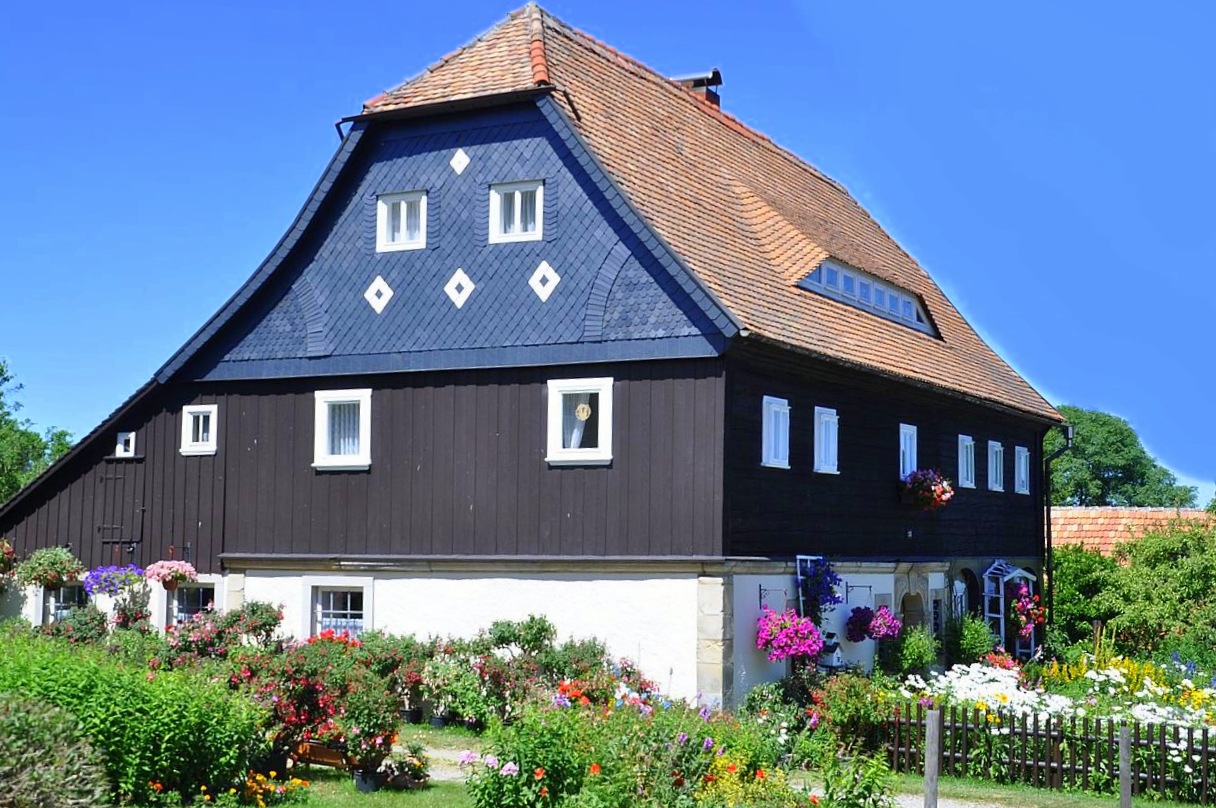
(517, 211)
(775, 433)
(826, 441)
(343, 430)
(401, 221)
(907, 450)
(966, 461)
(996, 466)
(124, 446)
(865, 291)
(579, 422)
(199, 424)
(338, 609)
(1021, 470)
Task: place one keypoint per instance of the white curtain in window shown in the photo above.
(344, 428)
(572, 427)
(394, 222)
(202, 429)
(413, 220)
(527, 211)
(507, 212)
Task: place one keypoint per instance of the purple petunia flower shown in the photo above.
(509, 770)
(491, 761)
(704, 713)
(708, 744)
(682, 738)
(468, 757)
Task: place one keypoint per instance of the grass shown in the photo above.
(981, 792)
(336, 789)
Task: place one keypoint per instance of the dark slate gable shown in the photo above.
(620, 295)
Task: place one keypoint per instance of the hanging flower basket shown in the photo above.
(926, 489)
(170, 573)
(50, 568)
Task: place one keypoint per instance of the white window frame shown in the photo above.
(386, 201)
(124, 446)
(496, 194)
(996, 466)
(314, 585)
(322, 459)
(176, 595)
(558, 455)
(827, 441)
(966, 461)
(775, 432)
(1021, 470)
(207, 447)
(907, 450)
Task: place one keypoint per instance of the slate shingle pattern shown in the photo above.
(748, 217)
(1102, 529)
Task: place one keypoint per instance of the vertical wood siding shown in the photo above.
(857, 513)
(457, 469)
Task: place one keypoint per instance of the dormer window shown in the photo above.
(517, 211)
(401, 221)
(868, 293)
(125, 445)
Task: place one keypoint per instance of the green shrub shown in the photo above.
(855, 707)
(178, 729)
(47, 761)
(88, 624)
(968, 639)
(1080, 577)
(915, 651)
(861, 782)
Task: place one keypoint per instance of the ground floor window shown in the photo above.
(338, 609)
(58, 603)
(192, 600)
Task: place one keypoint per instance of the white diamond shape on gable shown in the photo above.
(378, 294)
(459, 161)
(459, 287)
(544, 280)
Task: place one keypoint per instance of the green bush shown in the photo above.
(88, 624)
(917, 650)
(855, 707)
(47, 761)
(968, 639)
(1080, 577)
(178, 729)
(862, 782)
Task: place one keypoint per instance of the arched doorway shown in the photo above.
(972, 583)
(912, 609)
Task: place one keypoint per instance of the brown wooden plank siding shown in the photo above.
(457, 469)
(857, 513)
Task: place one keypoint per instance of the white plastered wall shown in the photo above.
(649, 618)
(751, 665)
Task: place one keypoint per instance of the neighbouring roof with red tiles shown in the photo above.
(1102, 529)
(748, 217)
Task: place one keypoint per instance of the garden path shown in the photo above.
(918, 800)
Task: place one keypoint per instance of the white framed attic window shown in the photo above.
(343, 430)
(870, 293)
(966, 461)
(580, 422)
(826, 441)
(907, 450)
(996, 466)
(1021, 470)
(775, 433)
(517, 211)
(200, 422)
(401, 221)
(124, 446)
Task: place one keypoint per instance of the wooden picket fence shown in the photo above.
(1073, 754)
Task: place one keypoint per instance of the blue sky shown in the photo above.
(1049, 164)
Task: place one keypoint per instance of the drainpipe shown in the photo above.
(1049, 560)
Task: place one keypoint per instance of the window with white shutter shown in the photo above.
(907, 450)
(826, 441)
(1021, 470)
(966, 461)
(775, 439)
(996, 466)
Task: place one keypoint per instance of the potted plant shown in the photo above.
(8, 562)
(367, 724)
(111, 580)
(50, 568)
(170, 573)
(926, 489)
(408, 769)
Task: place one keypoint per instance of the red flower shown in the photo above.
(760, 775)
(539, 773)
(595, 769)
(732, 768)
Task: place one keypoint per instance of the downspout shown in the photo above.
(1049, 559)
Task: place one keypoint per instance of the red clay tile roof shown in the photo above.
(747, 216)
(1102, 528)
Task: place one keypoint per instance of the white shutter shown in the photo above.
(775, 439)
(907, 449)
(1021, 469)
(826, 440)
(966, 461)
(996, 466)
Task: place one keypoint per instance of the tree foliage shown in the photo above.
(1107, 465)
(24, 453)
(1158, 593)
